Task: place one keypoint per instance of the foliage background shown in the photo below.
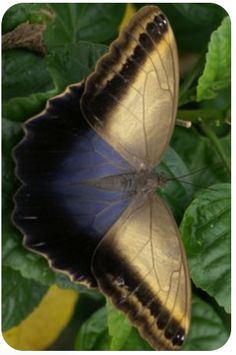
(74, 37)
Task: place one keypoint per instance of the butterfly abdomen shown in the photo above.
(133, 182)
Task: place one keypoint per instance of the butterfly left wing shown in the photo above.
(131, 98)
(140, 264)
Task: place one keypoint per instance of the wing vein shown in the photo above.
(144, 123)
(151, 244)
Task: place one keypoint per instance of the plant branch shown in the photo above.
(215, 141)
(26, 35)
(197, 116)
(189, 80)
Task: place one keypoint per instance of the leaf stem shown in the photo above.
(189, 80)
(215, 141)
(197, 116)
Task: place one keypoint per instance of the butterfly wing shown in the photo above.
(131, 98)
(141, 265)
(61, 214)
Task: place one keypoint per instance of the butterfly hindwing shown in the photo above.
(140, 264)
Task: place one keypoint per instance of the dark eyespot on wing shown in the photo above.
(146, 42)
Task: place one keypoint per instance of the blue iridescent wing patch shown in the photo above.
(61, 215)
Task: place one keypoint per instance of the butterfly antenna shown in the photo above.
(198, 186)
(198, 170)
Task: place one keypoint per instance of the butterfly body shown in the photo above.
(145, 182)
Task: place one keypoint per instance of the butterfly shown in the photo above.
(87, 167)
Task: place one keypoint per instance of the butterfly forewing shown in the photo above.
(131, 98)
(140, 264)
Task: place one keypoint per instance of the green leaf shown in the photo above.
(176, 193)
(24, 73)
(122, 334)
(135, 342)
(20, 296)
(22, 108)
(11, 133)
(216, 75)
(191, 37)
(64, 66)
(208, 331)
(109, 329)
(20, 13)
(215, 141)
(93, 334)
(119, 327)
(65, 69)
(95, 23)
(199, 153)
(205, 230)
(30, 265)
(203, 15)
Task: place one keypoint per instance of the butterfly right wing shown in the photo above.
(141, 265)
